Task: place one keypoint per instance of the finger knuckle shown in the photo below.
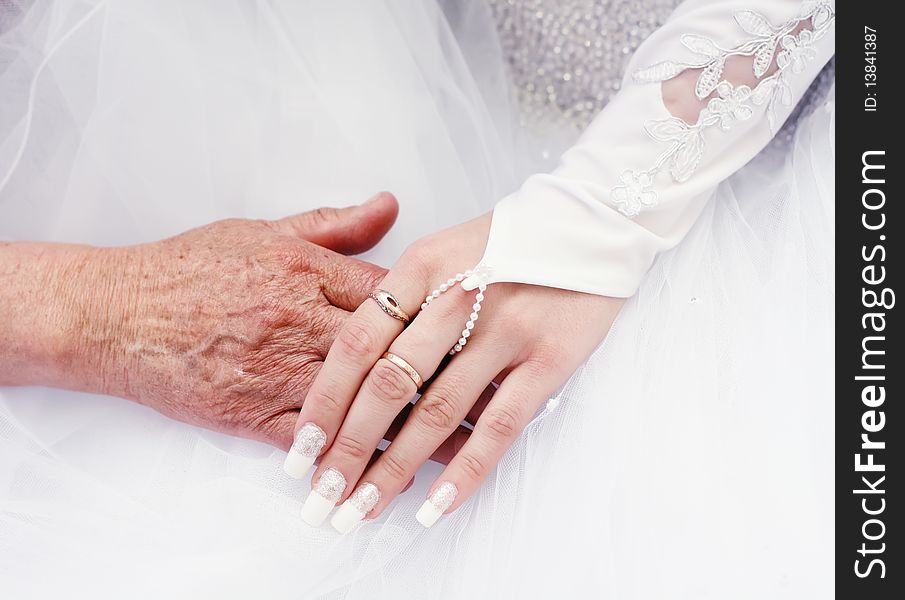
(265, 223)
(386, 382)
(437, 410)
(536, 368)
(501, 423)
(357, 340)
(418, 260)
(395, 467)
(369, 276)
(321, 216)
(417, 249)
(288, 255)
(325, 400)
(237, 413)
(546, 353)
(455, 306)
(473, 467)
(351, 447)
(233, 222)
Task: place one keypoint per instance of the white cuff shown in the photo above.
(639, 177)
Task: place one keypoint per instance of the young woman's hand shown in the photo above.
(528, 339)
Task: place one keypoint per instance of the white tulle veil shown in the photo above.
(690, 457)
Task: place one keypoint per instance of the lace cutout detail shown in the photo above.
(731, 103)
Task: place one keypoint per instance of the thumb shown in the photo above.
(349, 230)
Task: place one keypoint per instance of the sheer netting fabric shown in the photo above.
(698, 436)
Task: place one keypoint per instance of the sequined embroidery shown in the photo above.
(730, 104)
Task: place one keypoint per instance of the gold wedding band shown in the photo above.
(388, 303)
(403, 364)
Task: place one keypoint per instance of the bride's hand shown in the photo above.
(529, 339)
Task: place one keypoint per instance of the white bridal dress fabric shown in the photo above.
(637, 179)
(691, 457)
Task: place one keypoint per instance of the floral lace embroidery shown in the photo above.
(731, 103)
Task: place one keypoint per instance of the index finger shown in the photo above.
(360, 343)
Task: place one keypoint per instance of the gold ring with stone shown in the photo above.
(388, 304)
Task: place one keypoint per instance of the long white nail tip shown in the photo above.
(356, 507)
(330, 487)
(307, 445)
(434, 507)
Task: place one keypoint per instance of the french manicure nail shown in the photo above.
(434, 507)
(307, 445)
(356, 507)
(330, 487)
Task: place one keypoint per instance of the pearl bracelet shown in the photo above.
(475, 308)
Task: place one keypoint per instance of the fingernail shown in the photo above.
(330, 487)
(356, 507)
(434, 507)
(307, 445)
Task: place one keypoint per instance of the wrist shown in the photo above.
(65, 308)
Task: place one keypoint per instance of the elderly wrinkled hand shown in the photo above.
(224, 326)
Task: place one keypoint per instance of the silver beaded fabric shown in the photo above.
(567, 57)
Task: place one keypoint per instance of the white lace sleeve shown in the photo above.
(639, 176)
